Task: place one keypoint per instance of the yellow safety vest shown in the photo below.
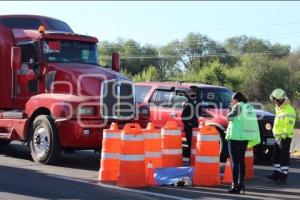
(284, 123)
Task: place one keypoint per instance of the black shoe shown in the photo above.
(242, 188)
(282, 179)
(275, 176)
(234, 190)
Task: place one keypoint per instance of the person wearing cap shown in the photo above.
(190, 114)
(242, 133)
(283, 130)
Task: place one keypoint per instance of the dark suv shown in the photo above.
(166, 102)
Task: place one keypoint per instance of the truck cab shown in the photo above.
(54, 94)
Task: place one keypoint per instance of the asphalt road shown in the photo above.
(76, 178)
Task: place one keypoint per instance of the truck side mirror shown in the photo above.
(16, 58)
(115, 58)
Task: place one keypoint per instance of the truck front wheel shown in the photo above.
(44, 144)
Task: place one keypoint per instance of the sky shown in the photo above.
(158, 23)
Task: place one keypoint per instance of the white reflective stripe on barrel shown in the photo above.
(152, 154)
(195, 133)
(249, 153)
(193, 151)
(134, 157)
(171, 151)
(149, 165)
(112, 135)
(171, 132)
(132, 137)
(105, 155)
(208, 137)
(152, 136)
(207, 159)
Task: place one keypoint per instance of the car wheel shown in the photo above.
(44, 144)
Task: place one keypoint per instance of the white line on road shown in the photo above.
(249, 195)
(121, 188)
(143, 192)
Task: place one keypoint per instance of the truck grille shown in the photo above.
(117, 100)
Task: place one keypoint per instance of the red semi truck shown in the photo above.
(54, 95)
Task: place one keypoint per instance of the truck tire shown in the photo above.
(4, 142)
(44, 143)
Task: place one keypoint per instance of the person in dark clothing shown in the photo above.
(190, 113)
(242, 132)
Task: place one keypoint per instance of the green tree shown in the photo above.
(293, 61)
(234, 78)
(196, 50)
(169, 60)
(148, 74)
(280, 50)
(262, 75)
(243, 44)
(134, 57)
(214, 73)
(106, 49)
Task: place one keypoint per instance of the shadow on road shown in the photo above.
(33, 183)
(18, 151)
(87, 160)
(16, 182)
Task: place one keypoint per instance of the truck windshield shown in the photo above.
(215, 97)
(69, 51)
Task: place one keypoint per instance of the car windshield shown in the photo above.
(215, 97)
(69, 51)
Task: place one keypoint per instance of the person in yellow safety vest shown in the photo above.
(242, 132)
(283, 130)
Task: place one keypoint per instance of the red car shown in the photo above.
(166, 102)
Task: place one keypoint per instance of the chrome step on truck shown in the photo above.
(7, 129)
(13, 114)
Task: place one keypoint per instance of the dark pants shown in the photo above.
(281, 156)
(189, 135)
(237, 150)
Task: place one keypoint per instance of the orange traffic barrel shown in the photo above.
(249, 164)
(132, 159)
(227, 178)
(207, 162)
(152, 140)
(171, 145)
(150, 175)
(109, 163)
(196, 131)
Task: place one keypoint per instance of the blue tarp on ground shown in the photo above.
(173, 175)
